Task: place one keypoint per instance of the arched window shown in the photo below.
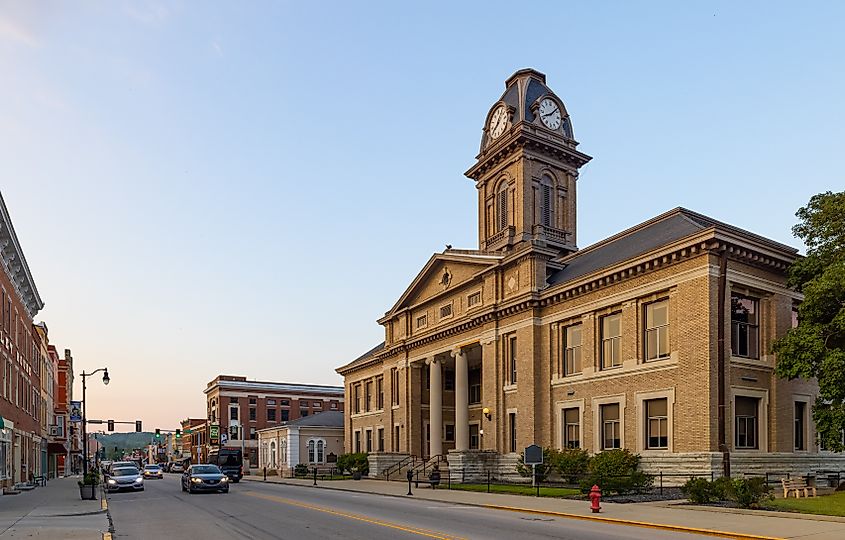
(283, 450)
(502, 207)
(272, 453)
(320, 449)
(311, 451)
(547, 202)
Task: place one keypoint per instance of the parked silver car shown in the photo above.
(125, 478)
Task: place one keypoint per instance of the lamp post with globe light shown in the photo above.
(106, 380)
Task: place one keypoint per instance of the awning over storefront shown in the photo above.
(56, 448)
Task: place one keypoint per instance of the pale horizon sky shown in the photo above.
(204, 187)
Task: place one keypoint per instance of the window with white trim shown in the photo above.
(422, 321)
(474, 299)
(746, 422)
(657, 424)
(657, 330)
(446, 311)
(611, 341)
(571, 351)
(611, 427)
(572, 428)
(745, 326)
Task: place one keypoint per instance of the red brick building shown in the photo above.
(241, 408)
(20, 373)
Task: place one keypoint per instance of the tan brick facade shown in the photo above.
(503, 312)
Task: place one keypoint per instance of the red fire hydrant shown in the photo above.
(595, 499)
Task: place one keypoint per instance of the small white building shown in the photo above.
(311, 440)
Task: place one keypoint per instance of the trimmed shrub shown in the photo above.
(722, 488)
(550, 458)
(572, 464)
(698, 490)
(616, 471)
(350, 463)
(301, 469)
(750, 492)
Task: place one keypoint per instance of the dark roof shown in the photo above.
(363, 358)
(653, 234)
(323, 419)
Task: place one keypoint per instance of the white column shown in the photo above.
(435, 408)
(461, 400)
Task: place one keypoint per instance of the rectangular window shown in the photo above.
(657, 423)
(474, 437)
(571, 351)
(271, 402)
(304, 403)
(746, 422)
(252, 414)
(368, 395)
(610, 427)
(253, 401)
(546, 206)
(333, 405)
(253, 435)
(512, 431)
(233, 413)
(369, 440)
(449, 432)
(379, 393)
(356, 398)
(395, 438)
(271, 415)
(449, 380)
(303, 413)
(511, 357)
(474, 299)
(745, 329)
(446, 311)
(394, 386)
(317, 404)
(285, 415)
(611, 341)
(657, 330)
(503, 209)
(357, 442)
(285, 403)
(381, 439)
(474, 376)
(571, 428)
(422, 321)
(800, 433)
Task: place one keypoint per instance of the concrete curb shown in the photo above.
(615, 521)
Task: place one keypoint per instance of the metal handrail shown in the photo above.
(398, 466)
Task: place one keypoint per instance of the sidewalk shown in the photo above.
(54, 511)
(759, 524)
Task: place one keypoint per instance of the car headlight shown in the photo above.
(224, 479)
(196, 480)
(112, 481)
(139, 479)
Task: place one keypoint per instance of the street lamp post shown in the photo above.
(106, 380)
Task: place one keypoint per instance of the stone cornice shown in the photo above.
(14, 263)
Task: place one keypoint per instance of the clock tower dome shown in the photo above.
(527, 169)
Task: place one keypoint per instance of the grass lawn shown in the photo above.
(518, 490)
(829, 505)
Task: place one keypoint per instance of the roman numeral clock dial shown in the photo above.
(549, 113)
(498, 122)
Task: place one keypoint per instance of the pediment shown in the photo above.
(443, 272)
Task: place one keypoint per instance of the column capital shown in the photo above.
(456, 352)
(431, 361)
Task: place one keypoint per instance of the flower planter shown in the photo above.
(356, 475)
(88, 492)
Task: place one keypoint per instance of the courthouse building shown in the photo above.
(656, 339)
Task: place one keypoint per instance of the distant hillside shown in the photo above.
(124, 441)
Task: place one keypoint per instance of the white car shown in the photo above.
(177, 467)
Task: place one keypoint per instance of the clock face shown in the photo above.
(498, 122)
(549, 113)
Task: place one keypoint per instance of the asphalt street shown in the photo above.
(253, 510)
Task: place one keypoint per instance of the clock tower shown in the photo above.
(527, 169)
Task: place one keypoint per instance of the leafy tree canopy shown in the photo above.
(816, 347)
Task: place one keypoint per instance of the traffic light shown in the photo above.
(138, 426)
(158, 433)
(178, 433)
(111, 425)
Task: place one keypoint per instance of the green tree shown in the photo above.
(816, 347)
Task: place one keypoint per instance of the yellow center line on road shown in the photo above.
(413, 530)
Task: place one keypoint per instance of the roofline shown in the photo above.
(31, 301)
(270, 385)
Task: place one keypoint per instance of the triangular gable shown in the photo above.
(430, 281)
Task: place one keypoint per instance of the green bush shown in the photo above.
(550, 457)
(350, 463)
(615, 471)
(572, 464)
(750, 492)
(301, 469)
(698, 490)
(90, 479)
(722, 488)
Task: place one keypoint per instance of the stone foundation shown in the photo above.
(473, 466)
(381, 461)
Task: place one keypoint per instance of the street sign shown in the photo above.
(224, 439)
(533, 455)
(213, 432)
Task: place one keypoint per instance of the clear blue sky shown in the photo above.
(207, 187)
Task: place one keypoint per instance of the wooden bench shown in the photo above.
(40, 480)
(797, 484)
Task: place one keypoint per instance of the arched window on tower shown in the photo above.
(502, 207)
(547, 202)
